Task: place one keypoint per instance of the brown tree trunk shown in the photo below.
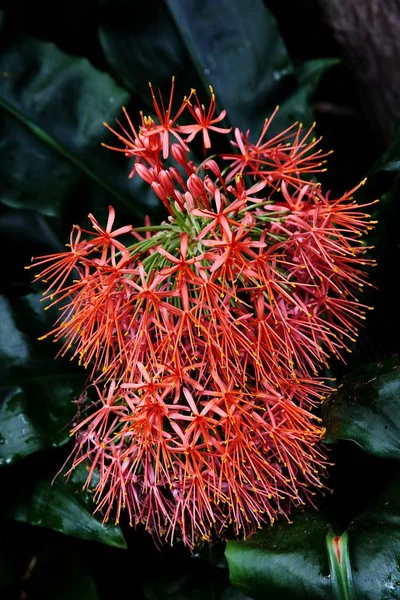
(368, 31)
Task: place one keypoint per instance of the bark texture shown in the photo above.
(368, 31)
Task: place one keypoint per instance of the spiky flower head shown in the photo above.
(205, 335)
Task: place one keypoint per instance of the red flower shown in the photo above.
(204, 120)
(167, 122)
(205, 337)
(285, 157)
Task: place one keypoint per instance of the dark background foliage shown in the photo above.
(64, 69)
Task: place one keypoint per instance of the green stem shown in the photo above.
(152, 228)
(343, 587)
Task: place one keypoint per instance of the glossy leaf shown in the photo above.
(36, 391)
(141, 54)
(236, 49)
(240, 52)
(297, 106)
(283, 561)
(50, 149)
(366, 410)
(290, 560)
(375, 546)
(62, 505)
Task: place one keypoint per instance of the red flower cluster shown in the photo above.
(205, 336)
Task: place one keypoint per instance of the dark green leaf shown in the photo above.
(65, 507)
(239, 50)
(297, 106)
(375, 546)
(235, 48)
(141, 54)
(283, 561)
(49, 146)
(291, 561)
(36, 391)
(366, 410)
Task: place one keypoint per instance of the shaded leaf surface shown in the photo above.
(242, 54)
(239, 52)
(140, 52)
(283, 561)
(297, 106)
(375, 546)
(65, 507)
(366, 410)
(290, 560)
(36, 391)
(221, 35)
(52, 112)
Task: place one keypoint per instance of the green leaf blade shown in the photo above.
(283, 561)
(366, 410)
(63, 506)
(36, 391)
(50, 147)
